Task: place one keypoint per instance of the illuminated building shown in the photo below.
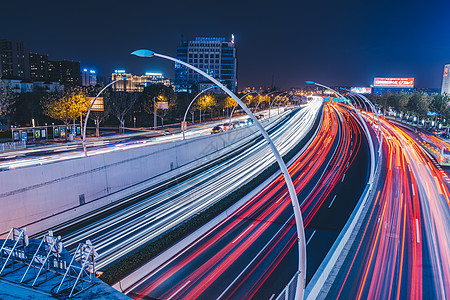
(88, 77)
(14, 60)
(446, 80)
(39, 67)
(136, 83)
(215, 56)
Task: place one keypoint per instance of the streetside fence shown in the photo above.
(13, 145)
(288, 292)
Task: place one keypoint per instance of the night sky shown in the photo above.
(332, 42)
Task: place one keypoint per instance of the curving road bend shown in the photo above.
(252, 253)
(403, 250)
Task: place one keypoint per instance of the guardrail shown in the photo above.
(13, 145)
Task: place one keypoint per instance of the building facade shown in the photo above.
(14, 60)
(20, 86)
(213, 55)
(136, 83)
(446, 81)
(88, 77)
(65, 72)
(39, 67)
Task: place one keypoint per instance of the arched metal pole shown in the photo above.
(89, 111)
(189, 106)
(301, 278)
(273, 101)
(234, 107)
(375, 112)
(372, 151)
(256, 108)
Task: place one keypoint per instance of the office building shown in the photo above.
(446, 81)
(137, 83)
(88, 77)
(213, 55)
(39, 67)
(14, 60)
(65, 72)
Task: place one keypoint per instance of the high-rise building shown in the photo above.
(88, 77)
(446, 80)
(136, 83)
(39, 67)
(213, 55)
(65, 72)
(14, 60)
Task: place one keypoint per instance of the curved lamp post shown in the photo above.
(273, 101)
(375, 112)
(292, 193)
(372, 154)
(189, 106)
(89, 111)
(234, 107)
(256, 108)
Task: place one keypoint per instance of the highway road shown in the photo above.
(402, 250)
(57, 152)
(253, 253)
(117, 232)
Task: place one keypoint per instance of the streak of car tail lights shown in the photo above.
(404, 251)
(199, 267)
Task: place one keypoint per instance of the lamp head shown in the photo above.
(143, 53)
(309, 82)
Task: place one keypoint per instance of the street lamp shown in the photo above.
(89, 110)
(372, 154)
(189, 106)
(292, 193)
(374, 109)
(256, 108)
(234, 107)
(273, 101)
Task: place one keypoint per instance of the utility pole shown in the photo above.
(154, 113)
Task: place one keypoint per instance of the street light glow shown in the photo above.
(143, 53)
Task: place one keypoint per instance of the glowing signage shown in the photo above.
(361, 90)
(119, 71)
(232, 39)
(162, 105)
(399, 82)
(446, 71)
(153, 74)
(98, 104)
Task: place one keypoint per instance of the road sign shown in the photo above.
(163, 105)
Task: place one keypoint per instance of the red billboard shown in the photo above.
(398, 82)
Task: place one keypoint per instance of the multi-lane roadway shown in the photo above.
(252, 253)
(402, 250)
(117, 232)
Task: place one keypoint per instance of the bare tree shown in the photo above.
(121, 104)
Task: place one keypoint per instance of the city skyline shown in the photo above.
(338, 43)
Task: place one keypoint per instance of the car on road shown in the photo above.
(216, 129)
(249, 121)
(227, 126)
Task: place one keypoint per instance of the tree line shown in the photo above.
(120, 108)
(416, 103)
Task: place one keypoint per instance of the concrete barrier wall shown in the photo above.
(40, 197)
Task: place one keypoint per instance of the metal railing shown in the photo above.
(13, 145)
